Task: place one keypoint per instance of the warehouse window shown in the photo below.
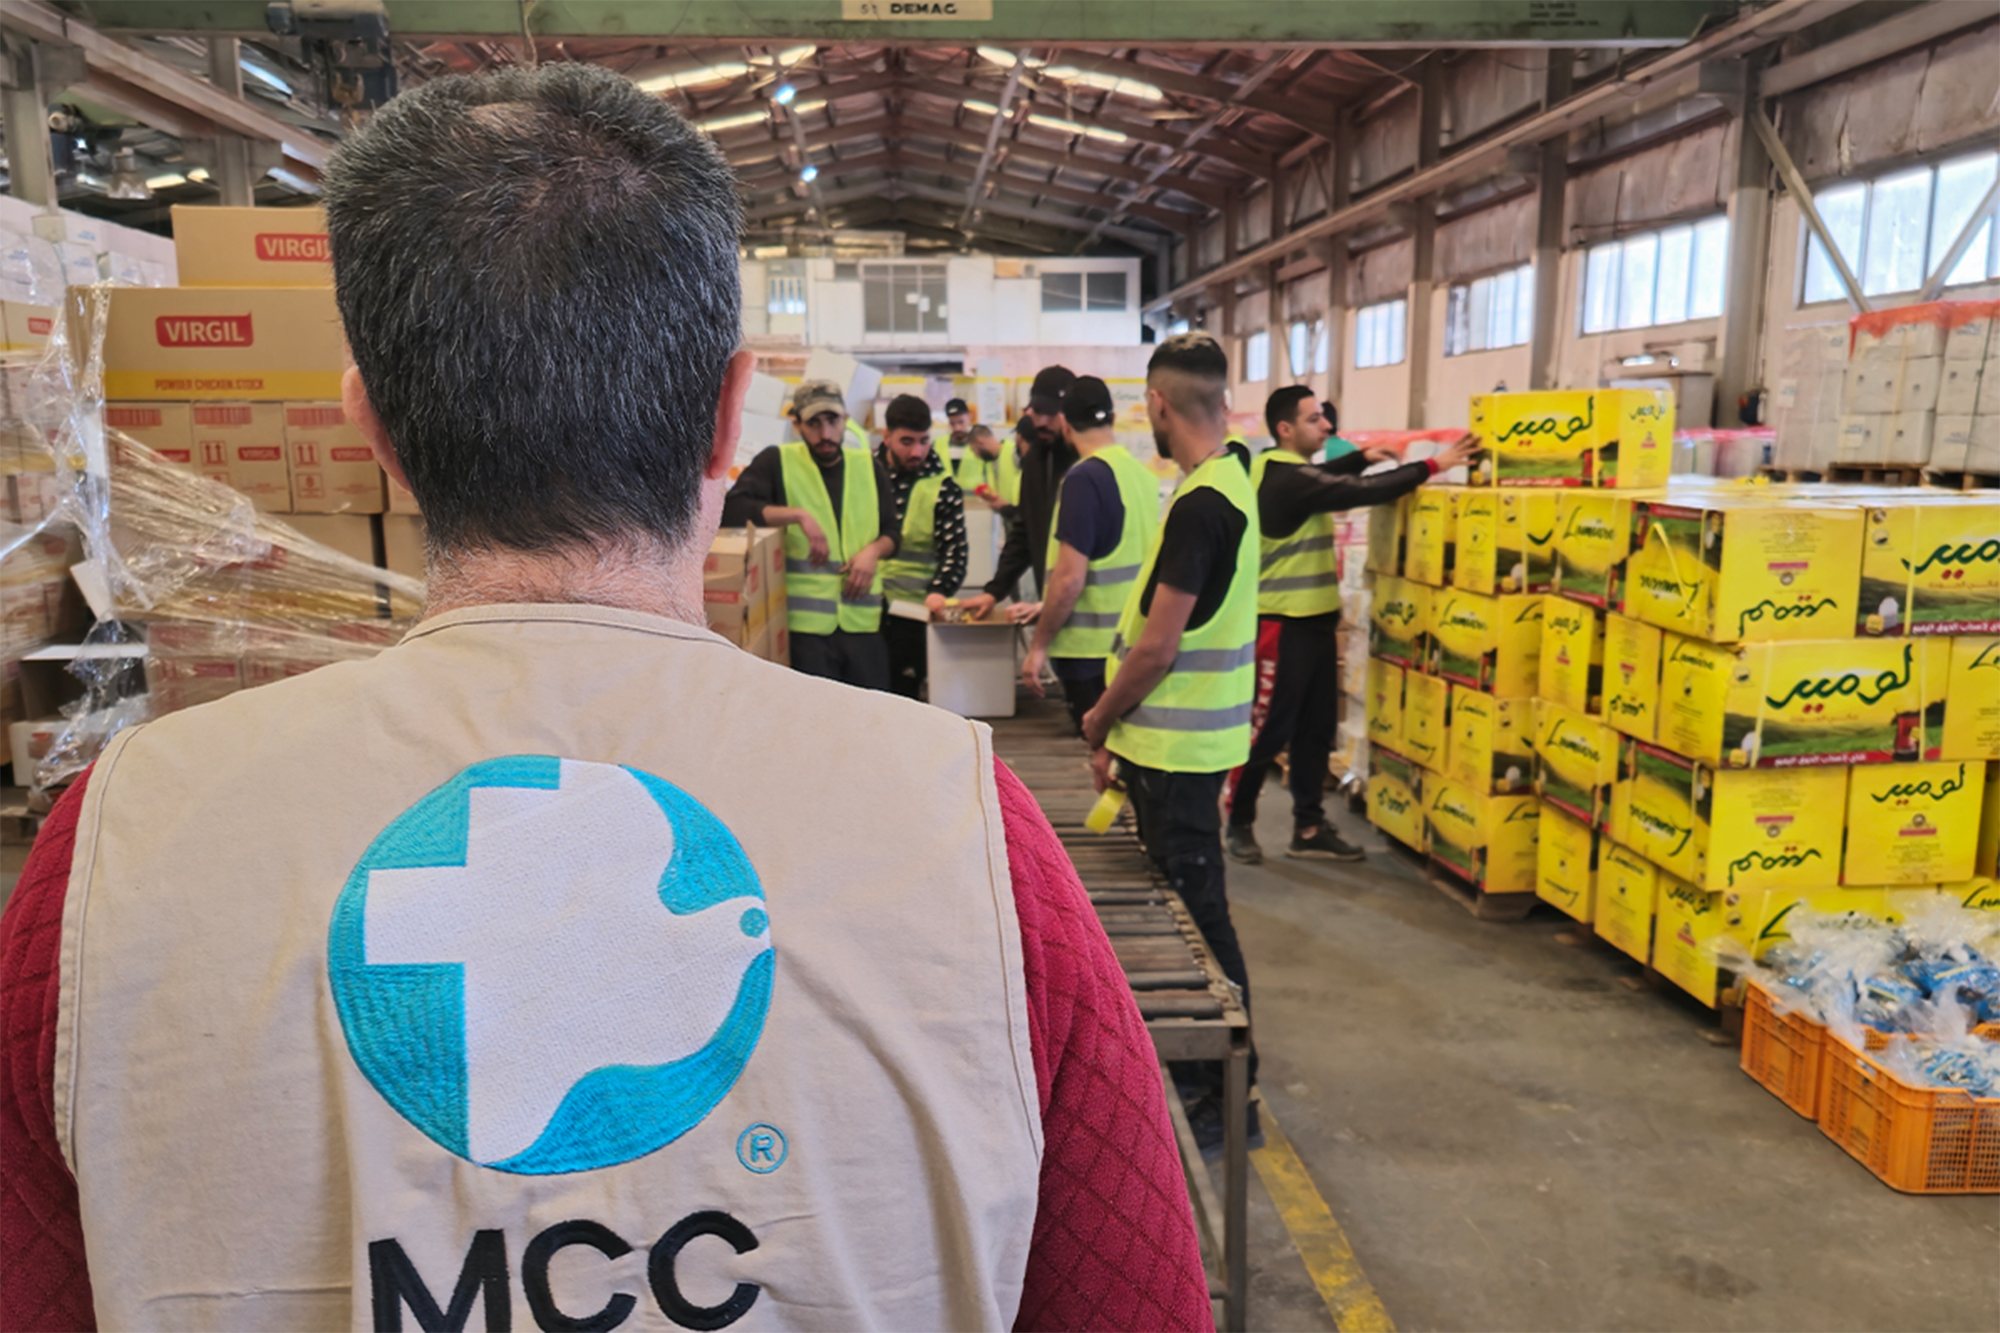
(1322, 346)
(1298, 344)
(903, 298)
(1103, 292)
(1257, 357)
(1893, 231)
(1657, 277)
(1490, 312)
(1062, 293)
(1379, 333)
(786, 295)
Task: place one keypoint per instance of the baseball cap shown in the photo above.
(1087, 405)
(955, 406)
(817, 396)
(1045, 394)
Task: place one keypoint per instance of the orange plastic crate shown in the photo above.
(1918, 1140)
(1782, 1051)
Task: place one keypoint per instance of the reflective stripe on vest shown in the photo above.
(815, 602)
(906, 577)
(1299, 574)
(1109, 582)
(1197, 719)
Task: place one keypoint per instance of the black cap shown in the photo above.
(1045, 395)
(1087, 405)
(955, 406)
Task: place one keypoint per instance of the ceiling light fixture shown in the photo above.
(1109, 83)
(783, 94)
(166, 182)
(1076, 127)
(735, 122)
(792, 55)
(809, 173)
(721, 72)
(983, 108)
(1001, 56)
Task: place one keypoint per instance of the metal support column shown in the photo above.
(1423, 243)
(31, 169)
(229, 154)
(1749, 262)
(1551, 200)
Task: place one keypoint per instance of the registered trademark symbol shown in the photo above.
(762, 1149)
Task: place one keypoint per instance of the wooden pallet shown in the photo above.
(1966, 481)
(1875, 474)
(1883, 474)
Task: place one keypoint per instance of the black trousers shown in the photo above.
(1305, 708)
(1082, 685)
(852, 659)
(1180, 823)
(908, 642)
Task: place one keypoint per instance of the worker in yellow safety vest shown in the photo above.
(833, 500)
(990, 470)
(929, 563)
(1107, 510)
(1175, 715)
(1298, 608)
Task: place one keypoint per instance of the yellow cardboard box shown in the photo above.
(1593, 539)
(1768, 913)
(1385, 703)
(1913, 823)
(243, 343)
(1606, 437)
(1395, 809)
(1399, 621)
(1632, 651)
(1572, 665)
(1399, 767)
(1566, 864)
(1773, 705)
(1426, 720)
(1491, 742)
(1526, 561)
(1475, 527)
(1576, 762)
(1972, 699)
(1979, 894)
(1627, 887)
(1932, 566)
(1385, 537)
(1986, 860)
(1489, 841)
(1487, 643)
(1427, 536)
(1692, 922)
(1744, 568)
(1730, 829)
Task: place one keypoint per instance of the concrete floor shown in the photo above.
(1513, 1138)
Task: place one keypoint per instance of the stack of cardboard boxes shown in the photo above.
(743, 589)
(1736, 699)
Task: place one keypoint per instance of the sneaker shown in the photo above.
(1241, 845)
(1324, 845)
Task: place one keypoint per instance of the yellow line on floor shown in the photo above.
(1316, 1235)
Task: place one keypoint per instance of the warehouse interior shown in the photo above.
(1644, 999)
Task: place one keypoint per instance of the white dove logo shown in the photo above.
(548, 965)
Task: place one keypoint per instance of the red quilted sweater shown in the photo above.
(1114, 1244)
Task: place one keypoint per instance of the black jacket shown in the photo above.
(1047, 462)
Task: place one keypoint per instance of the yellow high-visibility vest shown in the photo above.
(1109, 582)
(1298, 575)
(814, 599)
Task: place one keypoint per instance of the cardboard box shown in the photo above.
(1576, 762)
(401, 501)
(1745, 569)
(1503, 540)
(1986, 857)
(1385, 703)
(1394, 807)
(1475, 528)
(1426, 720)
(1593, 539)
(249, 438)
(1399, 622)
(1979, 894)
(353, 535)
(1768, 914)
(1488, 841)
(1784, 705)
(1627, 887)
(403, 544)
(1958, 389)
(165, 428)
(1491, 742)
(1427, 539)
(1931, 565)
(25, 327)
(1385, 538)
(1487, 643)
(1566, 864)
(1972, 699)
(1572, 658)
(333, 470)
(1619, 438)
(1691, 925)
(1632, 651)
(1913, 823)
(1951, 445)
(1723, 829)
(251, 247)
(267, 344)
